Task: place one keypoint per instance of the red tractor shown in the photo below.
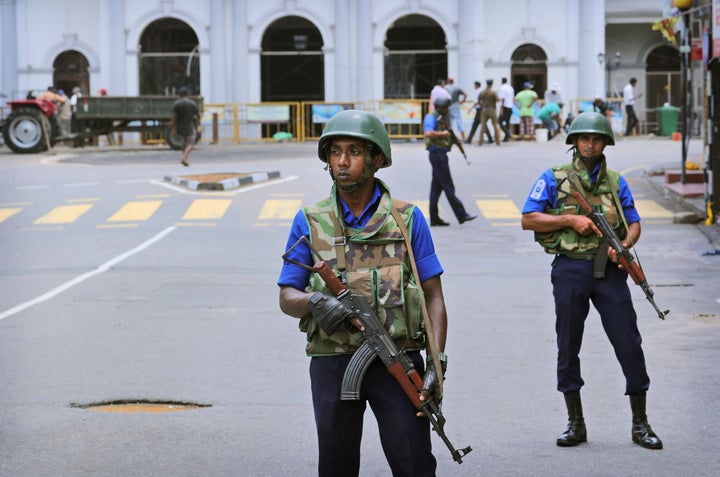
(31, 126)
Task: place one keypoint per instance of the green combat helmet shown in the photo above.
(590, 122)
(358, 124)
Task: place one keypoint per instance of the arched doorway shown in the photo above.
(70, 69)
(663, 76)
(415, 57)
(169, 58)
(292, 62)
(662, 80)
(529, 64)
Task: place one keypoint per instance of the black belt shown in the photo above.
(600, 260)
(579, 256)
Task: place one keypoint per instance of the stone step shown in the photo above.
(689, 189)
(691, 177)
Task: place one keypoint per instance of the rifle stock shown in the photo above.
(379, 344)
(624, 256)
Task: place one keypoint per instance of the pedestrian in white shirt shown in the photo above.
(629, 98)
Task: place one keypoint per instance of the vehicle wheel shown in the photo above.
(174, 141)
(25, 131)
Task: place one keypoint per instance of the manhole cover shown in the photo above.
(135, 406)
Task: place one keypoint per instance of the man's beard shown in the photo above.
(355, 186)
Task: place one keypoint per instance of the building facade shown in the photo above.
(247, 51)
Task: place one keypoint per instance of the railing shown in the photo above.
(237, 123)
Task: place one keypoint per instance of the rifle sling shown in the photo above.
(339, 241)
(430, 344)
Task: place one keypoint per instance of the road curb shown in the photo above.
(231, 183)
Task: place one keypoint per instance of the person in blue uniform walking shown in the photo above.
(437, 137)
(585, 270)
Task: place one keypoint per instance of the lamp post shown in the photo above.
(683, 6)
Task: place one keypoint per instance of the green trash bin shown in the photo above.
(667, 117)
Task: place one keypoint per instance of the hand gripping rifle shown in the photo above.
(624, 256)
(378, 343)
(454, 139)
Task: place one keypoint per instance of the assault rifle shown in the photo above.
(454, 139)
(378, 343)
(624, 256)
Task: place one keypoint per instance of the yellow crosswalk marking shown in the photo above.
(207, 209)
(64, 214)
(280, 209)
(649, 209)
(7, 213)
(141, 210)
(498, 209)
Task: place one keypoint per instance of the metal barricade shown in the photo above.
(315, 114)
(403, 118)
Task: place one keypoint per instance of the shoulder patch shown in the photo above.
(538, 189)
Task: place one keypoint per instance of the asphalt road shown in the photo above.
(182, 308)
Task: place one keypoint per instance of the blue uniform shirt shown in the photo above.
(428, 264)
(430, 124)
(544, 195)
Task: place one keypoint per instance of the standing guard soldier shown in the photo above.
(361, 232)
(581, 272)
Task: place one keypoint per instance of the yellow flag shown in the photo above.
(666, 26)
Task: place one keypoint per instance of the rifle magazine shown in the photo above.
(355, 372)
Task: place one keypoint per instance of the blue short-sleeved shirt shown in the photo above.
(544, 195)
(427, 262)
(429, 122)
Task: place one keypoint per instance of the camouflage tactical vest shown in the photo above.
(377, 267)
(599, 196)
(442, 125)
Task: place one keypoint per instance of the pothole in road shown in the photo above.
(137, 406)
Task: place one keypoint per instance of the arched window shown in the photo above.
(292, 62)
(415, 57)
(169, 58)
(70, 69)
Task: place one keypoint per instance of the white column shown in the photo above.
(364, 39)
(115, 57)
(591, 41)
(342, 30)
(329, 58)
(241, 60)
(215, 91)
(8, 50)
(471, 49)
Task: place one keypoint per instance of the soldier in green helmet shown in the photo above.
(581, 272)
(362, 233)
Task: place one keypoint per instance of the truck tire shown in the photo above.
(25, 131)
(174, 141)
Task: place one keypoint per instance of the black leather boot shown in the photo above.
(576, 431)
(642, 433)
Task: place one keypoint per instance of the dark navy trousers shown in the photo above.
(442, 182)
(405, 437)
(574, 287)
